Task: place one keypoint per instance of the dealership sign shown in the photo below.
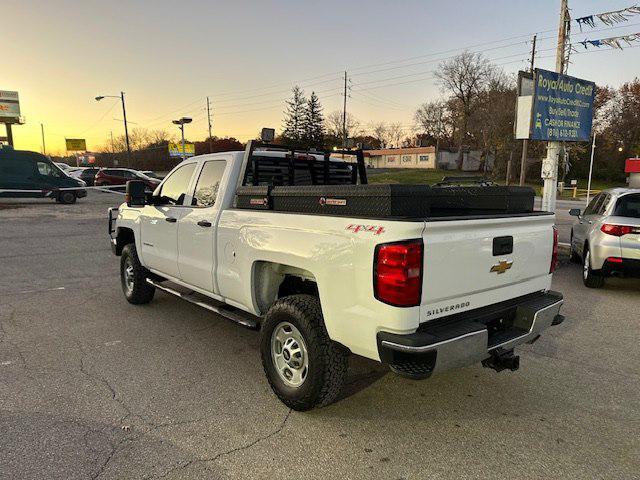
(76, 144)
(9, 106)
(175, 149)
(554, 107)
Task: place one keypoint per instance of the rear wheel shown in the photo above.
(305, 368)
(591, 278)
(133, 277)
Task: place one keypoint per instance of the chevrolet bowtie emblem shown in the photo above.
(501, 267)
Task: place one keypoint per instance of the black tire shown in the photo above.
(591, 278)
(67, 197)
(138, 291)
(327, 360)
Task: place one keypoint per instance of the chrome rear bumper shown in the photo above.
(470, 337)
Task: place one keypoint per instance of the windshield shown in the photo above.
(628, 206)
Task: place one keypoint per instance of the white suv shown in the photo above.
(606, 237)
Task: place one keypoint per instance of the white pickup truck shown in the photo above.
(422, 293)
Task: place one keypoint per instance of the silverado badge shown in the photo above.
(501, 267)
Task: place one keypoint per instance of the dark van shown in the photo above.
(23, 170)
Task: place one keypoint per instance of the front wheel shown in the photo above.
(590, 277)
(304, 367)
(66, 197)
(133, 277)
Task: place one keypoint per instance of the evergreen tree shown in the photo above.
(313, 124)
(294, 116)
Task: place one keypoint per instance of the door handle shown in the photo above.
(171, 219)
(204, 223)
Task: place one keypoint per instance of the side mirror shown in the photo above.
(574, 212)
(135, 194)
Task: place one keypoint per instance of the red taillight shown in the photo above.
(616, 230)
(398, 273)
(554, 253)
(614, 260)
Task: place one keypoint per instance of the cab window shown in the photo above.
(208, 184)
(174, 188)
(47, 170)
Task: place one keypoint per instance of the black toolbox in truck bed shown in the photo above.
(391, 200)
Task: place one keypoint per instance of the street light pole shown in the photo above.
(181, 124)
(124, 116)
(126, 130)
(182, 132)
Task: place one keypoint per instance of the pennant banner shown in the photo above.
(609, 18)
(613, 42)
(618, 16)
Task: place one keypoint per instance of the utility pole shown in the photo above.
(550, 164)
(593, 149)
(525, 142)
(209, 118)
(344, 114)
(44, 148)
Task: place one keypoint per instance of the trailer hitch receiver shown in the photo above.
(502, 359)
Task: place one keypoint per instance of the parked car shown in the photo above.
(151, 174)
(63, 166)
(606, 236)
(120, 176)
(87, 174)
(420, 278)
(24, 170)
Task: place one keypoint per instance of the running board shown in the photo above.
(230, 313)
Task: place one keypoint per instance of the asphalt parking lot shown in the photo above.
(92, 387)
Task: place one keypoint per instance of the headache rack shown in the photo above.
(307, 181)
(300, 166)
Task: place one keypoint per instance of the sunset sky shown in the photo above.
(246, 55)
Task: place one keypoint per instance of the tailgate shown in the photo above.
(469, 263)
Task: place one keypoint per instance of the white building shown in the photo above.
(413, 157)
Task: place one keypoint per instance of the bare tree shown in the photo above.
(334, 126)
(465, 77)
(395, 132)
(379, 132)
(159, 137)
(433, 119)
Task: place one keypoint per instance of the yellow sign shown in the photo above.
(175, 149)
(76, 144)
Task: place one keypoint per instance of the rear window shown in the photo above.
(628, 206)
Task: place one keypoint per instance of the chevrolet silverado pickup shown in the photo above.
(298, 245)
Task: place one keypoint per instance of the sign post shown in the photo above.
(9, 112)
